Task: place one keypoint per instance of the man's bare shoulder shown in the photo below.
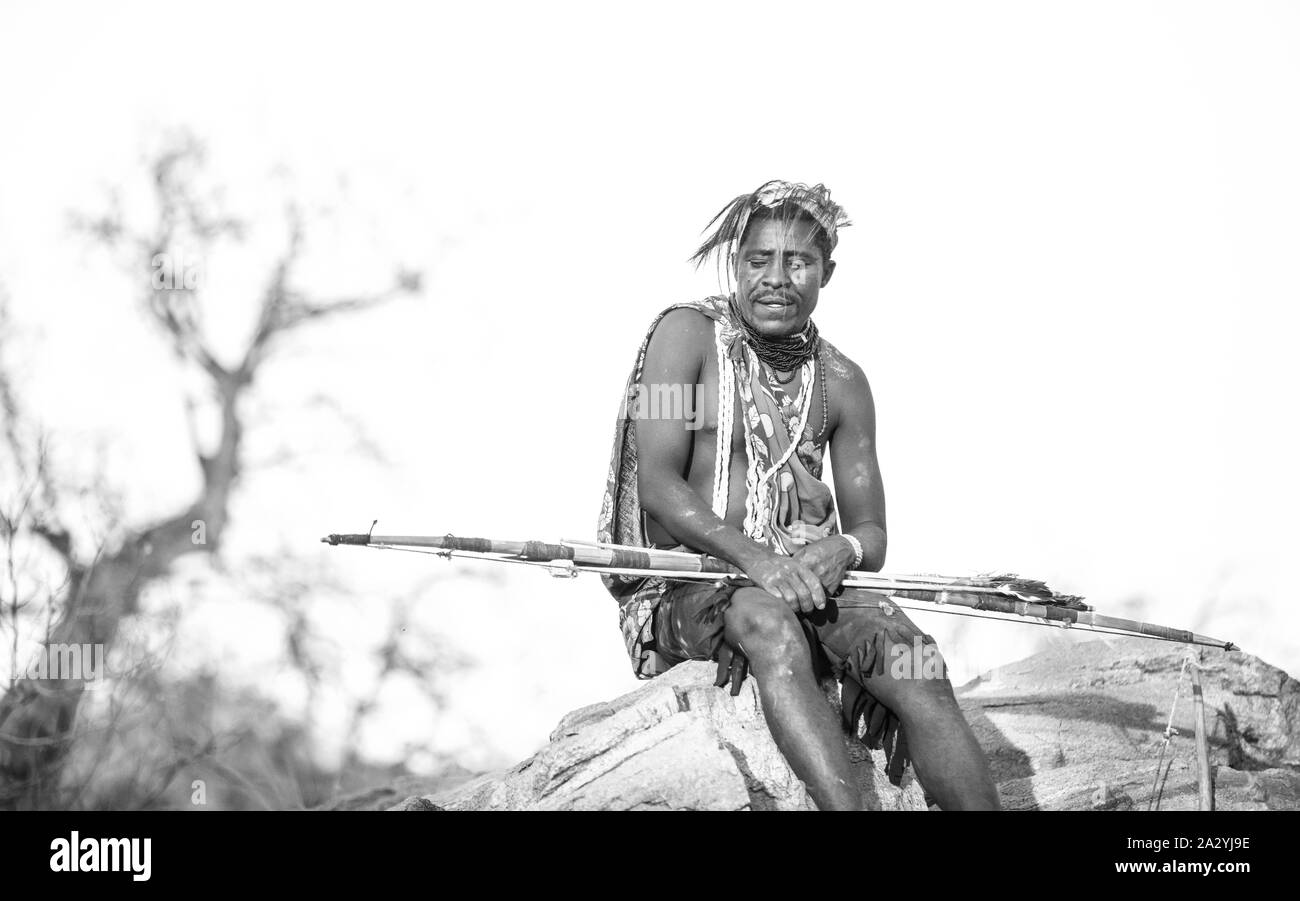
(682, 331)
(842, 369)
(686, 321)
(850, 394)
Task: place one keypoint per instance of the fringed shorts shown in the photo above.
(859, 635)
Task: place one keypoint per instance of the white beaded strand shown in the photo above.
(726, 421)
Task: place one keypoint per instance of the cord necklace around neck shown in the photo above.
(781, 353)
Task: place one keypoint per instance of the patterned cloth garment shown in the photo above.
(787, 504)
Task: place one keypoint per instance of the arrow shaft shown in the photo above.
(617, 560)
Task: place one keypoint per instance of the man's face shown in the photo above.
(779, 273)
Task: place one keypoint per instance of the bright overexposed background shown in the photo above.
(1072, 280)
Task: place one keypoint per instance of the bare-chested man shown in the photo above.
(777, 395)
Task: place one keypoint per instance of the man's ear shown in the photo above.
(827, 271)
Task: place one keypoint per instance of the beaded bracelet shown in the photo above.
(857, 549)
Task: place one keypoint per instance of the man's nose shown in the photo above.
(776, 275)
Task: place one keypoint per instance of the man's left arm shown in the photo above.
(859, 491)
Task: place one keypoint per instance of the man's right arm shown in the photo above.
(676, 356)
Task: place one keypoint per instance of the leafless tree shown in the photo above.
(103, 583)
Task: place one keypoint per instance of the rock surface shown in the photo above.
(394, 790)
(1079, 728)
(676, 743)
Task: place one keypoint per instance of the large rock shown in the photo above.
(676, 743)
(1080, 728)
(1083, 728)
(394, 789)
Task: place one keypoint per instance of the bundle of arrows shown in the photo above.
(1003, 596)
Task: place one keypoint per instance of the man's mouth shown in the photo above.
(774, 302)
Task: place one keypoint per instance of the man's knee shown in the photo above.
(916, 675)
(763, 625)
(917, 661)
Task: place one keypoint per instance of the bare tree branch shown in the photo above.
(36, 719)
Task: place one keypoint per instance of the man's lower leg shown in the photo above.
(804, 726)
(948, 760)
(808, 733)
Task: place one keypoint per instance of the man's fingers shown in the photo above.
(816, 595)
(813, 568)
(788, 594)
(800, 586)
(802, 601)
(826, 575)
(795, 593)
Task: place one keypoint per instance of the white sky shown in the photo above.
(1071, 280)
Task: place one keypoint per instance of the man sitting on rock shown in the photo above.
(741, 480)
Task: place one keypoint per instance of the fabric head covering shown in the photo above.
(790, 197)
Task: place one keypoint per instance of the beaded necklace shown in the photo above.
(820, 377)
(781, 352)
